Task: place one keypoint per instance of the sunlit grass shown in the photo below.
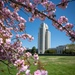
(60, 65)
(55, 65)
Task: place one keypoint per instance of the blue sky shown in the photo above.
(57, 37)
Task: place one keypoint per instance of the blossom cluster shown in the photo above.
(23, 66)
(20, 64)
(40, 72)
(63, 25)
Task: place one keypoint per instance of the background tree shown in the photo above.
(51, 51)
(70, 49)
(33, 50)
(47, 51)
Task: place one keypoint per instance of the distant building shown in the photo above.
(60, 49)
(63, 49)
(44, 37)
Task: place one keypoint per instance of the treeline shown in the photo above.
(33, 50)
(51, 51)
(69, 49)
(66, 51)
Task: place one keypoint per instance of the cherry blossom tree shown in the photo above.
(12, 25)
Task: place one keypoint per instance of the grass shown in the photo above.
(60, 65)
(55, 65)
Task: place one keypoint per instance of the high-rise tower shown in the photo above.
(44, 36)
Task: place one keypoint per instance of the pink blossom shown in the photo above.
(26, 2)
(31, 19)
(69, 26)
(9, 29)
(6, 12)
(72, 32)
(23, 68)
(16, 29)
(43, 72)
(23, 36)
(27, 72)
(32, 6)
(22, 20)
(51, 13)
(31, 38)
(38, 72)
(8, 41)
(7, 35)
(20, 0)
(61, 28)
(37, 1)
(12, 5)
(17, 44)
(44, 3)
(49, 5)
(64, 4)
(1, 3)
(36, 57)
(56, 25)
(1, 22)
(28, 54)
(20, 49)
(62, 20)
(22, 26)
(41, 17)
(17, 35)
(19, 62)
(1, 41)
(7, 45)
(15, 14)
(2, 50)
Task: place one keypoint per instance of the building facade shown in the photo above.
(44, 37)
(60, 49)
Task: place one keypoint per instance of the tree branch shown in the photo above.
(65, 2)
(42, 13)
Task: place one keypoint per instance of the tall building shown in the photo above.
(44, 37)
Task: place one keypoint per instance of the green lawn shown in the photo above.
(55, 65)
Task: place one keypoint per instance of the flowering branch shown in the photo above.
(67, 1)
(70, 33)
